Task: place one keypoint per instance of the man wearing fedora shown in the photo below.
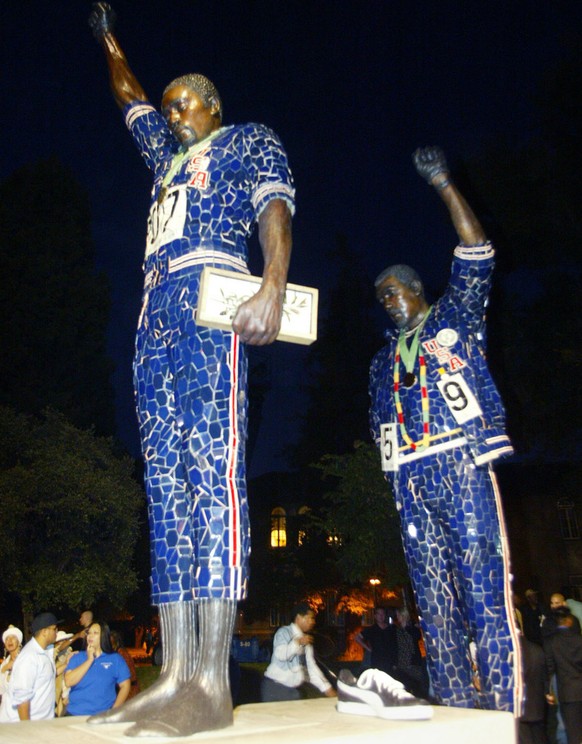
(31, 691)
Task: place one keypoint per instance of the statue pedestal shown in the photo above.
(305, 721)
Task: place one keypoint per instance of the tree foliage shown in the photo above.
(53, 306)
(68, 509)
(360, 512)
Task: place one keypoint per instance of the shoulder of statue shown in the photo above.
(381, 357)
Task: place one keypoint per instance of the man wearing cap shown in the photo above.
(31, 691)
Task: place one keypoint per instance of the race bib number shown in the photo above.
(389, 448)
(459, 398)
(166, 220)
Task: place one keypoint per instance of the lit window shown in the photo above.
(302, 513)
(334, 539)
(278, 528)
(568, 520)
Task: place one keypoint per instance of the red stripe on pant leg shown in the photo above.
(233, 498)
(518, 692)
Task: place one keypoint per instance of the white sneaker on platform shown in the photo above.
(375, 693)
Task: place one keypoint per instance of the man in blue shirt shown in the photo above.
(439, 422)
(211, 185)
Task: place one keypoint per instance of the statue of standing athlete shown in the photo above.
(439, 422)
(211, 184)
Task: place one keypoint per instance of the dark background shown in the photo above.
(351, 87)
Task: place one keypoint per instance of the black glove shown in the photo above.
(429, 162)
(101, 20)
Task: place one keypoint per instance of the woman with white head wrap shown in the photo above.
(12, 640)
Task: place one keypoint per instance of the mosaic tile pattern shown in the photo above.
(451, 520)
(190, 381)
(190, 384)
(451, 535)
(228, 182)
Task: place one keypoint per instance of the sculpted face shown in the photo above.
(187, 116)
(405, 305)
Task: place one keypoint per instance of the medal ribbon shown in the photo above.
(179, 157)
(408, 356)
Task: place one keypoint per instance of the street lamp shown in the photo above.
(374, 583)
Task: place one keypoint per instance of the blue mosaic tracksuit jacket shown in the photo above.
(438, 437)
(190, 381)
(453, 342)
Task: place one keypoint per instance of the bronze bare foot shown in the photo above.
(203, 703)
(147, 703)
(193, 709)
(178, 627)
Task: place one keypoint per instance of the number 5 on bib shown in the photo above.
(389, 448)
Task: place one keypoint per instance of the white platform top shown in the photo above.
(299, 722)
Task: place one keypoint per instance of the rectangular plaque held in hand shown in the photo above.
(222, 291)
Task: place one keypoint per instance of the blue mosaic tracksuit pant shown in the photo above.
(190, 381)
(190, 386)
(450, 520)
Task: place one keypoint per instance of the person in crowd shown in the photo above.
(62, 652)
(79, 640)
(533, 614)
(575, 607)
(293, 664)
(31, 691)
(391, 648)
(417, 672)
(439, 422)
(517, 604)
(563, 650)
(98, 678)
(62, 648)
(557, 600)
(12, 640)
(549, 623)
(548, 627)
(532, 722)
(118, 646)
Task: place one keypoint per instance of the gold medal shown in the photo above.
(409, 379)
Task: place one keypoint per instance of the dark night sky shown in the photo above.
(352, 87)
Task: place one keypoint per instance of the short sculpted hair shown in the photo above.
(405, 274)
(201, 85)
